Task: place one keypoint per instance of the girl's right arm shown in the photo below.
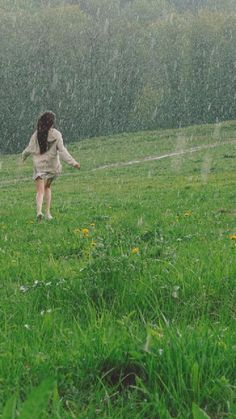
(29, 149)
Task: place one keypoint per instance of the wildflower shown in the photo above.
(187, 214)
(175, 292)
(35, 284)
(61, 281)
(24, 288)
(85, 232)
(232, 236)
(45, 311)
(135, 250)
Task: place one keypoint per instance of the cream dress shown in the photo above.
(47, 165)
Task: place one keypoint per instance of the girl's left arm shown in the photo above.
(64, 153)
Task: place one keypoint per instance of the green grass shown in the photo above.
(91, 329)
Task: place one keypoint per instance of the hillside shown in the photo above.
(124, 305)
(109, 66)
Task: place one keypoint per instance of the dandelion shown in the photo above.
(187, 214)
(85, 232)
(135, 250)
(232, 236)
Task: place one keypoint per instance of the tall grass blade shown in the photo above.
(37, 401)
(9, 411)
(199, 413)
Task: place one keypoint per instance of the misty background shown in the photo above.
(109, 66)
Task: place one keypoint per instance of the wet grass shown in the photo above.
(126, 300)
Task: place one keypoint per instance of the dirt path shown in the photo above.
(131, 162)
(163, 156)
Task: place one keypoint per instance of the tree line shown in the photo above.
(109, 66)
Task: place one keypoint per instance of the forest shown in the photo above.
(112, 66)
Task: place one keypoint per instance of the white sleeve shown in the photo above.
(30, 149)
(64, 154)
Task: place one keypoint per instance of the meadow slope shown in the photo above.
(124, 305)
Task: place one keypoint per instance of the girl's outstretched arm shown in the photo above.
(64, 153)
(29, 149)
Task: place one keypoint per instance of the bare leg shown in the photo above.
(48, 197)
(39, 195)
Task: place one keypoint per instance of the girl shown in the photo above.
(45, 145)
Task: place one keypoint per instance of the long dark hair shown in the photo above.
(45, 122)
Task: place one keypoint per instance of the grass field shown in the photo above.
(123, 306)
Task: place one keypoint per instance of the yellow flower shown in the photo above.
(135, 250)
(187, 213)
(232, 236)
(85, 232)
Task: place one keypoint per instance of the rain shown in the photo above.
(113, 66)
(119, 303)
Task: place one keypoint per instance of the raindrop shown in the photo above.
(32, 96)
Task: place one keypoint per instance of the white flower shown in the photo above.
(45, 311)
(24, 288)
